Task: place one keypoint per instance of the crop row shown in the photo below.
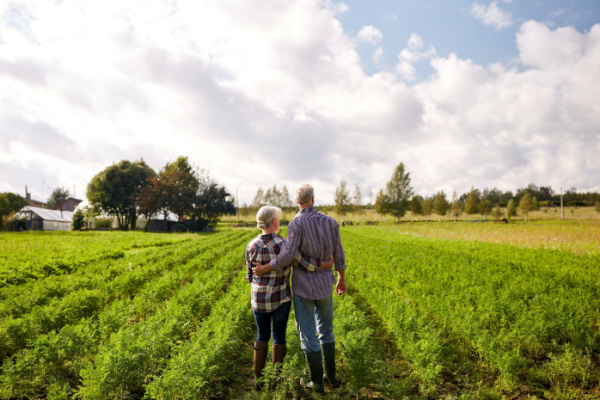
(123, 280)
(19, 299)
(54, 361)
(512, 308)
(27, 256)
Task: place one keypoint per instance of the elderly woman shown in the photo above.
(271, 295)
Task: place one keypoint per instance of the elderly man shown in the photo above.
(317, 235)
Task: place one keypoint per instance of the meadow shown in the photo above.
(434, 310)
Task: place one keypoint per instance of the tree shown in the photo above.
(427, 208)
(511, 209)
(272, 197)
(440, 204)
(357, 199)
(212, 201)
(598, 205)
(485, 207)
(382, 204)
(259, 198)
(116, 191)
(497, 212)
(286, 200)
(416, 205)
(342, 200)
(180, 183)
(525, 205)
(57, 196)
(455, 207)
(472, 202)
(398, 190)
(9, 203)
(78, 220)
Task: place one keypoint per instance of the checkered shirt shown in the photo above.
(272, 289)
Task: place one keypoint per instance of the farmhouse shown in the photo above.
(68, 205)
(35, 218)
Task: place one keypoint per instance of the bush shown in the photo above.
(78, 222)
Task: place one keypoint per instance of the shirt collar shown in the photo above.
(308, 209)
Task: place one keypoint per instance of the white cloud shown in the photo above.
(279, 97)
(413, 53)
(369, 34)
(491, 15)
(378, 56)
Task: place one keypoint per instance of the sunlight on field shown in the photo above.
(579, 232)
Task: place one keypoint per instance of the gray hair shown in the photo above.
(265, 215)
(304, 193)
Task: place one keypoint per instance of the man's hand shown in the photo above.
(261, 269)
(340, 288)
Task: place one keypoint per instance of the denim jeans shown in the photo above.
(279, 319)
(314, 321)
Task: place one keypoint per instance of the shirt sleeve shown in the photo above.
(288, 250)
(309, 263)
(339, 256)
(248, 265)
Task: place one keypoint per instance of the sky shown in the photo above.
(258, 93)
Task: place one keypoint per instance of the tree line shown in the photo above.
(398, 197)
(130, 189)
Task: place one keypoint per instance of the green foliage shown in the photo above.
(273, 197)
(57, 196)
(423, 318)
(116, 190)
(342, 200)
(485, 207)
(505, 304)
(416, 205)
(398, 191)
(511, 209)
(382, 203)
(472, 202)
(497, 212)
(78, 222)
(440, 204)
(9, 204)
(427, 207)
(525, 205)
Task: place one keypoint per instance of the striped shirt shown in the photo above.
(272, 289)
(316, 235)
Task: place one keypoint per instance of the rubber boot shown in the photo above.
(315, 367)
(278, 354)
(330, 377)
(260, 359)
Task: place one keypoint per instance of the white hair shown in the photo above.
(265, 215)
(304, 193)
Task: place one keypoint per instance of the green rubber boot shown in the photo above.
(330, 377)
(315, 367)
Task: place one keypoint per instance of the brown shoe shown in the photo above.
(260, 359)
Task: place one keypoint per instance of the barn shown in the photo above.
(42, 219)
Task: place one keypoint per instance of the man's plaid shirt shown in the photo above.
(272, 289)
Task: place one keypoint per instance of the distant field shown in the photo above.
(434, 311)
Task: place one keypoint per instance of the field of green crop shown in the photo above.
(113, 315)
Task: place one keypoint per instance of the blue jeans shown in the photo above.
(314, 321)
(279, 318)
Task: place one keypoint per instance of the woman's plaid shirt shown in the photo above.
(272, 289)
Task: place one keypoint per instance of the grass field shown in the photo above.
(450, 310)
